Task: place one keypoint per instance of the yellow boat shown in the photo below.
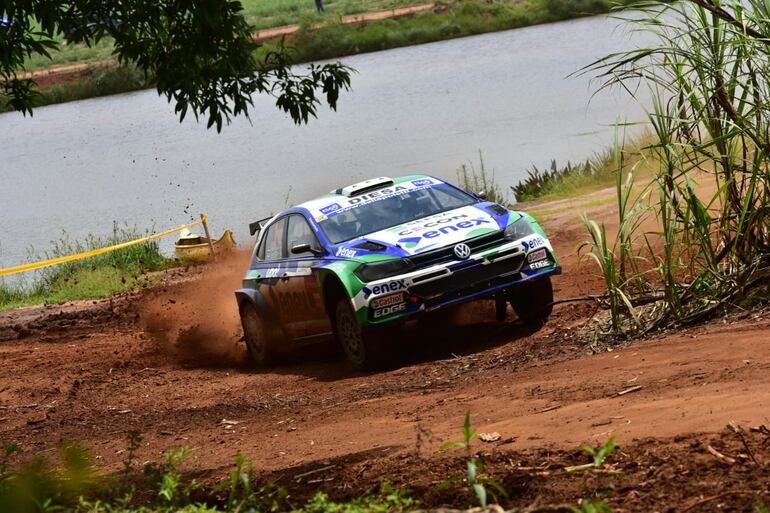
(193, 247)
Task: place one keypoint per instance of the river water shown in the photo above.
(76, 167)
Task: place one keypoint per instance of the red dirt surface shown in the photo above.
(169, 363)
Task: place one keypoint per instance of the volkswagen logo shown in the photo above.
(462, 251)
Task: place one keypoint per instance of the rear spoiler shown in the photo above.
(256, 226)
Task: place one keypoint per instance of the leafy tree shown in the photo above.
(199, 52)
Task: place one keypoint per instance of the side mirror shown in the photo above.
(481, 195)
(304, 248)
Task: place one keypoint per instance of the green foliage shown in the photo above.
(387, 499)
(760, 507)
(556, 181)
(587, 506)
(479, 181)
(199, 53)
(600, 454)
(474, 467)
(93, 277)
(707, 72)
(296, 93)
(35, 487)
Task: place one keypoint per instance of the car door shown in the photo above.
(269, 263)
(301, 294)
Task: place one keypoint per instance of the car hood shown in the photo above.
(439, 230)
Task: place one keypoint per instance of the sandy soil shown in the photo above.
(168, 362)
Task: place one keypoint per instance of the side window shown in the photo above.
(300, 233)
(272, 244)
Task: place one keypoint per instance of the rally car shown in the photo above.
(374, 254)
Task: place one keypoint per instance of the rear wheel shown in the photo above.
(363, 349)
(257, 340)
(532, 300)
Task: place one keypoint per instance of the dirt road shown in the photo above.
(169, 363)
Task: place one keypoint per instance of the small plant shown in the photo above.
(134, 442)
(243, 495)
(168, 478)
(474, 467)
(760, 507)
(600, 454)
(586, 506)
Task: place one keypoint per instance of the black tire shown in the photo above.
(255, 334)
(533, 300)
(362, 348)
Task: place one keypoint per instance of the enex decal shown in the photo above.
(391, 286)
(345, 253)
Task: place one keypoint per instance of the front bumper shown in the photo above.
(438, 286)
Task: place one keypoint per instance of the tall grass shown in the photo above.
(93, 277)
(709, 74)
(479, 180)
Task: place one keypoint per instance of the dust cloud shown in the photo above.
(195, 319)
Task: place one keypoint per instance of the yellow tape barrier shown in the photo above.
(94, 252)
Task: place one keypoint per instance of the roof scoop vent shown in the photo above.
(366, 186)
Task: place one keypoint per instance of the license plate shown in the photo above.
(382, 302)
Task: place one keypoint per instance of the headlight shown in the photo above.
(380, 270)
(519, 229)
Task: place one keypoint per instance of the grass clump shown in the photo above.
(704, 233)
(90, 278)
(479, 181)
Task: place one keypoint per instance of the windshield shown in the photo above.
(393, 210)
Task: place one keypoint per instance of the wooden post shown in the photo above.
(208, 235)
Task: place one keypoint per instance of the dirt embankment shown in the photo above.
(169, 363)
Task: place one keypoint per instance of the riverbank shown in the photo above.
(97, 75)
(96, 277)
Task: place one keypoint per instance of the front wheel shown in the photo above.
(533, 300)
(256, 336)
(362, 348)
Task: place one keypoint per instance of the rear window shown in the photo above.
(393, 210)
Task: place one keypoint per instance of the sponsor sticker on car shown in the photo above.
(389, 310)
(391, 286)
(385, 301)
(534, 256)
(343, 205)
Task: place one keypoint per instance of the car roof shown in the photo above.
(364, 187)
